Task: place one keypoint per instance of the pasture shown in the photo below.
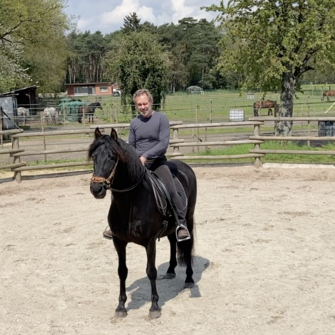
(212, 106)
(264, 255)
(215, 106)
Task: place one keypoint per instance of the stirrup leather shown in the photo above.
(181, 226)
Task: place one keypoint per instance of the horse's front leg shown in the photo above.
(120, 247)
(170, 273)
(155, 311)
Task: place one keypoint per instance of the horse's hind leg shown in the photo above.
(189, 282)
(155, 311)
(170, 273)
(185, 253)
(120, 247)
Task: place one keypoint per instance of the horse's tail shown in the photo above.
(185, 248)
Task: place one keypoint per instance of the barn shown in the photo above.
(26, 97)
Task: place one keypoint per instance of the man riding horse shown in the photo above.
(149, 135)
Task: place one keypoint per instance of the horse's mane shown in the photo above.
(125, 152)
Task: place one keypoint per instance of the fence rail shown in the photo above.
(18, 150)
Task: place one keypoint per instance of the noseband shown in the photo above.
(106, 181)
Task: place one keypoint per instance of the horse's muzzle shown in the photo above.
(98, 190)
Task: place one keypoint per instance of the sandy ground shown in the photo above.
(264, 258)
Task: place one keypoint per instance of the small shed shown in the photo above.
(25, 97)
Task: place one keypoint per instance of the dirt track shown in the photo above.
(264, 258)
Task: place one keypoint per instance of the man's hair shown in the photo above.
(140, 92)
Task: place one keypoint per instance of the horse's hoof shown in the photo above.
(120, 314)
(155, 314)
(169, 276)
(189, 285)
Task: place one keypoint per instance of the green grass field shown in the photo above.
(215, 106)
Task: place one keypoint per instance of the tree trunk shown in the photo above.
(284, 128)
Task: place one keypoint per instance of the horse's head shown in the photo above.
(105, 153)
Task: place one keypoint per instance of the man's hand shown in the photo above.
(143, 160)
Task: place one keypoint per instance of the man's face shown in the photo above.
(143, 105)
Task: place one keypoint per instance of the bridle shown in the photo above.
(107, 182)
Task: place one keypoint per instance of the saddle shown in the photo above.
(162, 196)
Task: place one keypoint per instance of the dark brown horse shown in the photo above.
(267, 104)
(329, 93)
(88, 110)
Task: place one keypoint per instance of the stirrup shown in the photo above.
(181, 226)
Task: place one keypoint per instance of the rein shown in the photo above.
(131, 187)
(108, 181)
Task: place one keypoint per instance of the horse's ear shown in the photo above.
(114, 134)
(97, 133)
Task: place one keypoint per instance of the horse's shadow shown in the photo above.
(140, 290)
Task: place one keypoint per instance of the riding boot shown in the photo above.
(182, 232)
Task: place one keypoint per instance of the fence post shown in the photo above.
(196, 121)
(175, 137)
(308, 132)
(44, 144)
(64, 113)
(207, 148)
(1, 136)
(258, 162)
(112, 115)
(211, 112)
(84, 109)
(16, 145)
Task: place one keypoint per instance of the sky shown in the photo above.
(107, 15)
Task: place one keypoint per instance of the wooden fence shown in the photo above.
(308, 138)
(16, 152)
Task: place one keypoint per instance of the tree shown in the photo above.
(272, 43)
(136, 60)
(131, 23)
(10, 70)
(32, 39)
(85, 59)
(192, 49)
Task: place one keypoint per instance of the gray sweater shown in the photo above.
(150, 136)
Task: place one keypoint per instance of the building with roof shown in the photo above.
(94, 89)
(9, 102)
(26, 97)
